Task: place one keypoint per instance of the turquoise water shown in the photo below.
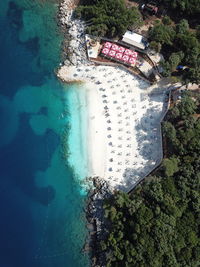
(42, 158)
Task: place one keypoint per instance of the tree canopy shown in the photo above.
(180, 46)
(108, 17)
(187, 6)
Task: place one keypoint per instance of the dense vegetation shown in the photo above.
(189, 7)
(180, 45)
(108, 17)
(158, 223)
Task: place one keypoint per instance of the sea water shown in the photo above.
(42, 146)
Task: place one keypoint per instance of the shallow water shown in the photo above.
(42, 199)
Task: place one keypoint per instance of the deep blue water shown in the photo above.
(42, 221)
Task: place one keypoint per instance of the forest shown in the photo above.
(180, 45)
(108, 18)
(186, 7)
(158, 223)
(177, 37)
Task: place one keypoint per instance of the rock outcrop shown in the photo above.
(74, 48)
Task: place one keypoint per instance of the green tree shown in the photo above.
(166, 20)
(188, 7)
(110, 17)
(169, 130)
(155, 46)
(170, 166)
(163, 34)
(182, 27)
(187, 106)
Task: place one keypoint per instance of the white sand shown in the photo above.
(124, 135)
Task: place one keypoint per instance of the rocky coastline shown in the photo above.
(73, 47)
(96, 220)
(74, 54)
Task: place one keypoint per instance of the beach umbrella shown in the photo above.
(112, 53)
(121, 49)
(118, 55)
(115, 47)
(107, 45)
(105, 51)
(132, 60)
(134, 54)
(109, 128)
(128, 52)
(110, 169)
(125, 58)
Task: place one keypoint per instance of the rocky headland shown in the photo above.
(96, 220)
(74, 49)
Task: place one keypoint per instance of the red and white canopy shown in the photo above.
(118, 55)
(108, 45)
(115, 47)
(112, 53)
(105, 51)
(135, 54)
(132, 60)
(119, 52)
(128, 52)
(125, 58)
(121, 49)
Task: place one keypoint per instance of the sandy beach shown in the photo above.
(124, 115)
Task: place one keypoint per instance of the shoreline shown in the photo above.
(98, 188)
(124, 116)
(128, 129)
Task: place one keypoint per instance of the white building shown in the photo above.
(134, 39)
